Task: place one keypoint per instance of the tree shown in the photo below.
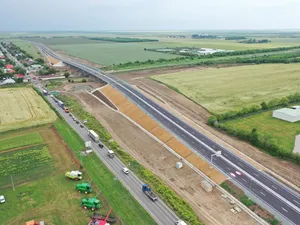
(264, 106)
(20, 70)
(254, 136)
(40, 61)
(66, 74)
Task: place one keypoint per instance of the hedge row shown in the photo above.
(181, 207)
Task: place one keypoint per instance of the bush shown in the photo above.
(84, 80)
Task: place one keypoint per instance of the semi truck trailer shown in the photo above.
(93, 135)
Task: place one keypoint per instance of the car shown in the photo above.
(125, 170)
(100, 145)
(81, 125)
(2, 199)
(238, 173)
(77, 121)
(232, 174)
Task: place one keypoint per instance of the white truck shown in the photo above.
(110, 154)
(93, 135)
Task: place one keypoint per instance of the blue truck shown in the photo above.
(147, 190)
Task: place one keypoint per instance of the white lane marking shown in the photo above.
(255, 174)
(263, 193)
(239, 164)
(296, 202)
(228, 168)
(274, 187)
(245, 180)
(284, 209)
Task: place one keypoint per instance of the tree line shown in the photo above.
(123, 40)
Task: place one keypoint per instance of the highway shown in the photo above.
(277, 196)
(158, 210)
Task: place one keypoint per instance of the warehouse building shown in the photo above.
(287, 114)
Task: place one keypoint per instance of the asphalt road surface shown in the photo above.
(284, 201)
(162, 214)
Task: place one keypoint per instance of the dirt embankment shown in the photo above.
(210, 207)
(199, 115)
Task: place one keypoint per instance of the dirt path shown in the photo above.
(210, 207)
(198, 114)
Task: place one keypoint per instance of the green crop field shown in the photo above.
(107, 53)
(283, 132)
(18, 161)
(28, 47)
(19, 141)
(225, 89)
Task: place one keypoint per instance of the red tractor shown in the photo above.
(101, 220)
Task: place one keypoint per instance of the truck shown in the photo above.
(74, 175)
(45, 92)
(147, 190)
(110, 154)
(61, 104)
(93, 135)
(84, 187)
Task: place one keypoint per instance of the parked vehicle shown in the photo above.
(84, 188)
(2, 199)
(74, 175)
(94, 135)
(91, 203)
(100, 145)
(147, 190)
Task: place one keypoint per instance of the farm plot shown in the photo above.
(225, 89)
(27, 47)
(38, 175)
(23, 107)
(107, 53)
(19, 141)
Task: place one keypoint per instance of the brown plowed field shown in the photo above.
(210, 207)
(199, 115)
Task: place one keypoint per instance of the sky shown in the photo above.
(97, 15)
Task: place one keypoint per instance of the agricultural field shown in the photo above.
(37, 169)
(108, 53)
(283, 132)
(23, 107)
(226, 89)
(28, 47)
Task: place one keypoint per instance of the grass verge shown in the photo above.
(130, 211)
(180, 206)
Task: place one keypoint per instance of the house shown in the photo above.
(7, 81)
(19, 75)
(10, 71)
(287, 114)
(9, 66)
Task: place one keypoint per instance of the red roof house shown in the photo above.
(11, 71)
(19, 75)
(8, 66)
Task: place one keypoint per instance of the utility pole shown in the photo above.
(12, 181)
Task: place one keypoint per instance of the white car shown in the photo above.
(180, 222)
(125, 170)
(2, 199)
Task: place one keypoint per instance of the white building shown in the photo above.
(290, 115)
(7, 81)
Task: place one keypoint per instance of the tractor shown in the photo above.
(84, 188)
(74, 175)
(91, 203)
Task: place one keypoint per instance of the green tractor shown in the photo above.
(84, 188)
(91, 203)
(74, 175)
